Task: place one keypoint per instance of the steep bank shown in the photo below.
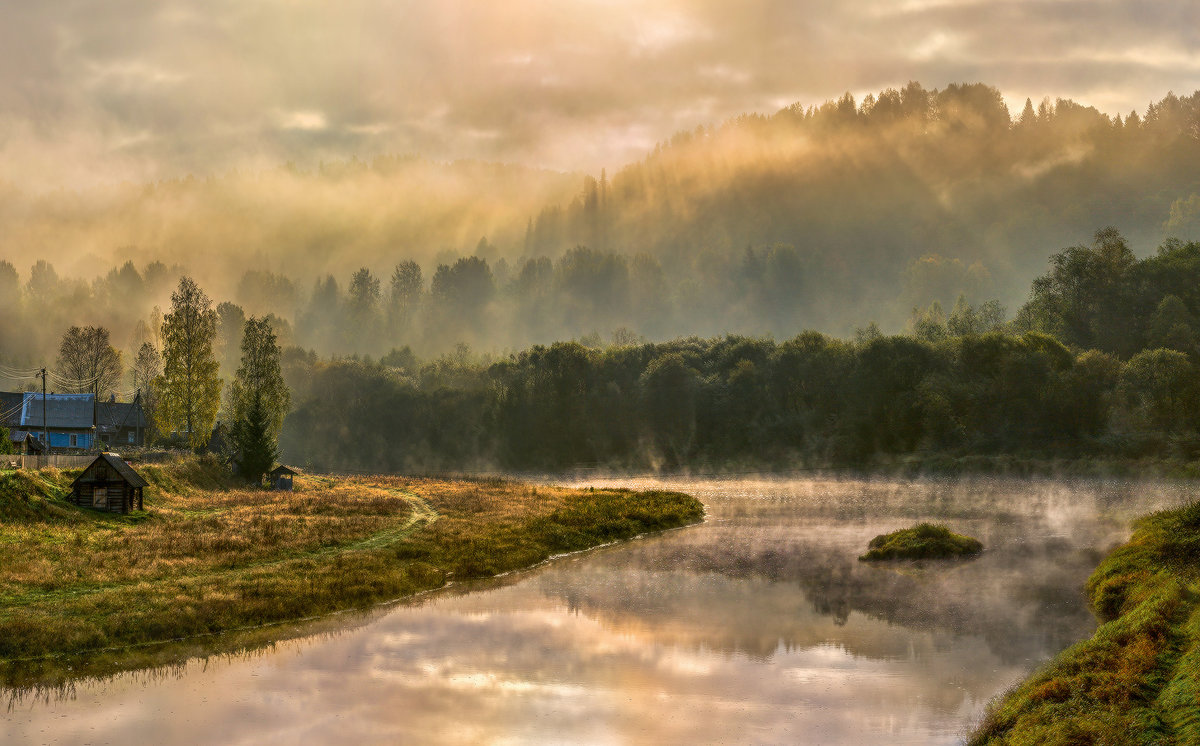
(1137, 680)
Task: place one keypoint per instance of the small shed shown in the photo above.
(281, 478)
(110, 484)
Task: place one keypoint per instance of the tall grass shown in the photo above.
(1137, 680)
(208, 556)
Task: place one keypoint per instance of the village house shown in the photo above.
(109, 484)
(70, 420)
(121, 423)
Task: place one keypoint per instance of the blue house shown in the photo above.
(70, 420)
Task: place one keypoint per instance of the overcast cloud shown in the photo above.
(135, 89)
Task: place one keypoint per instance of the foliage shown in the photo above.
(259, 379)
(147, 367)
(253, 439)
(824, 217)
(923, 541)
(188, 392)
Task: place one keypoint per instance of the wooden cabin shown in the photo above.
(110, 484)
(281, 478)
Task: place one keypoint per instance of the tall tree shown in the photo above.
(259, 399)
(255, 443)
(147, 367)
(230, 320)
(189, 389)
(407, 288)
(87, 361)
(259, 380)
(362, 306)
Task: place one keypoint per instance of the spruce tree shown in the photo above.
(253, 437)
(259, 399)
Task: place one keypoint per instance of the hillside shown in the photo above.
(821, 218)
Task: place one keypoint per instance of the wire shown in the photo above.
(5, 415)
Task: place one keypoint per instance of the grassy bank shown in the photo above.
(209, 556)
(1137, 680)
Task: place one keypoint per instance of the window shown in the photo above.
(130, 436)
(74, 441)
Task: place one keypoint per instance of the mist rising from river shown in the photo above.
(759, 626)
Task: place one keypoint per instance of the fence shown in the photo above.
(57, 460)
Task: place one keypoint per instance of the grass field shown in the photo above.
(1137, 680)
(209, 556)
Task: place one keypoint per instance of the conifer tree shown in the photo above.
(259, 399)
(253, 438)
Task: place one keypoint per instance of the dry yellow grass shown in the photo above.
(208, 556)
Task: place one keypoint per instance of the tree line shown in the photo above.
(1100, 362)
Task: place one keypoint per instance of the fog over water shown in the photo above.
(758, 626)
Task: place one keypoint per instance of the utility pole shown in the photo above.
(45, 425)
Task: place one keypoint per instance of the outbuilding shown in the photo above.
(110, 484)
(281, 478)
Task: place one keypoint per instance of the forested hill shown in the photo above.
(821, 218)
(864, 190)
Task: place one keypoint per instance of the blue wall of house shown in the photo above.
(63, 440)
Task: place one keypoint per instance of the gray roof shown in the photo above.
(113, 415)
(10, 408)
(118, 464)
(74, 411)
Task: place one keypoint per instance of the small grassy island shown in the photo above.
(1137, 680)
(923, 541)
(85, 593)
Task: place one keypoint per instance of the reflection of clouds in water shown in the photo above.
(759, 626)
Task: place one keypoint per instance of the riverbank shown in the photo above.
(1137, 679)
(209, 556)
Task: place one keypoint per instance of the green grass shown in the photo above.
(1137, 679)
(82, 592)
(923, 541)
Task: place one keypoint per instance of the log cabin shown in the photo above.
(110, 484)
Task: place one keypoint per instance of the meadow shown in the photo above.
(210, 556)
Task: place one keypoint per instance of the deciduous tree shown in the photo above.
(189, 389)
(87, 361)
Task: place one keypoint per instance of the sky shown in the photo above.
(148, 89)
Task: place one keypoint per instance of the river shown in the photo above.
(758, 626)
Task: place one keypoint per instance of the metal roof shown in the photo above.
(118, 464)
(74, 411)
(111, 415)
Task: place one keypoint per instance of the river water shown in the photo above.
(758, 626)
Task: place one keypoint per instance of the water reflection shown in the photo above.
(759, 626)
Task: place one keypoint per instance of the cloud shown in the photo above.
(142, 88)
